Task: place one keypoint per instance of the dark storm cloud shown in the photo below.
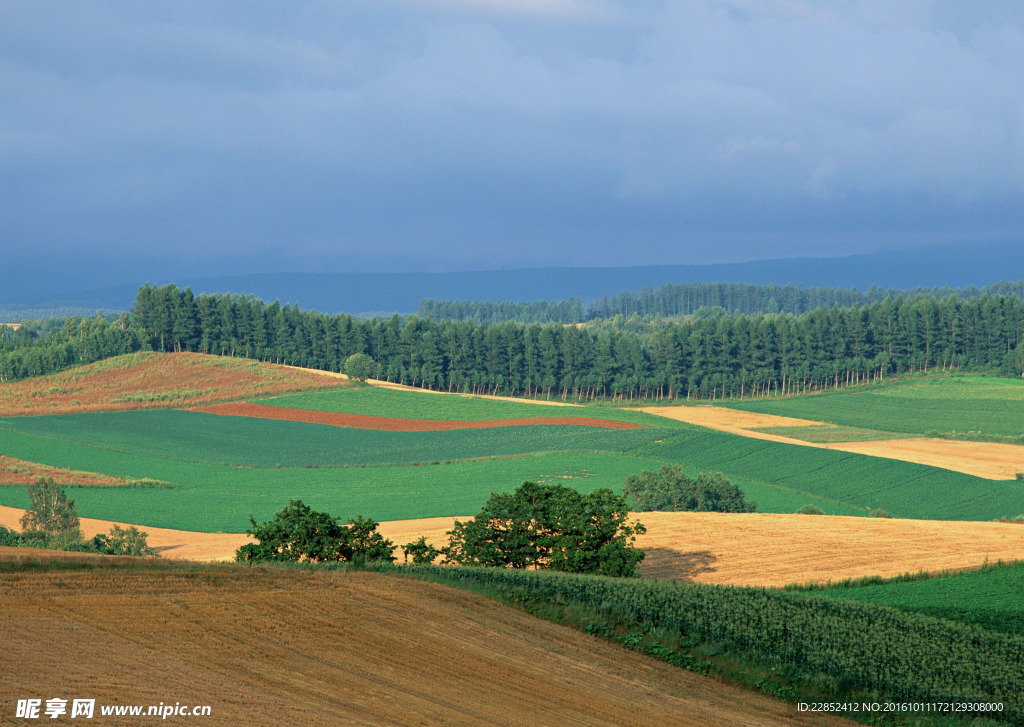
(485, 133)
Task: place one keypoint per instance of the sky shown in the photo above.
(445, 135)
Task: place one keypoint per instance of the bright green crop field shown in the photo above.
(990, 597)
(376, 401)
(224, 468)
(852, 483)
(990, 408)
(250, 442)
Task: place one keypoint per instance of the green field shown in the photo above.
(377, 401)
(826, 433)
(851, 483)
(251, 442)
(972, 406)
(990, 597)
(235, 466)
(224, 468)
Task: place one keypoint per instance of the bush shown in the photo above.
(123, 541)
(671, 490)
(879, 512)
(421, 551)
(360, 366)
(9, 537)
(810, 510)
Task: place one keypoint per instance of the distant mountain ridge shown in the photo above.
(361, 292)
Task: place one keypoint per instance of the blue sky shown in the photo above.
(387, 135)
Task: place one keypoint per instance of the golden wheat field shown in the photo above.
(267, 646)
(749, 549)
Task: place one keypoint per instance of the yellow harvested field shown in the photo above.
(752, 549)
(763, 549)
(982, 459)
(177, 544)
(717, 417)
(269, 646)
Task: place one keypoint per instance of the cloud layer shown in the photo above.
(454, 134)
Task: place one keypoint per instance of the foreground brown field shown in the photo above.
(155, 380)
(990, 460)
(751, 549)
(266, 646)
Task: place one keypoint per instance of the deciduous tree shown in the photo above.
(550, 526)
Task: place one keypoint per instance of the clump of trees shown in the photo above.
(51, 521)
(553, 527)
(669, 489)
(536, 526)
(299, 533)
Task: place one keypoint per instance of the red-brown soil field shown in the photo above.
(392, 424)
(268, 646)
(155, 380)
(19, 472)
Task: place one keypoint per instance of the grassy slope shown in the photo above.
(915, 405)
(990, 597)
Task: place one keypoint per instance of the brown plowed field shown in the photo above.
(265, 646)
(392, 424)
(154, 380)
(19, 472)
(989, 460)
(753, 549)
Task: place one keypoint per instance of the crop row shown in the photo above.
(902, 656)
(990, 597)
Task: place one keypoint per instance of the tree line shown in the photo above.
(728, 356)
(42, 347)
(703, 300)
(736, 355)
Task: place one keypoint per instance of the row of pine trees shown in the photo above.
(712, 358)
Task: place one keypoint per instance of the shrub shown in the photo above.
(360, 366)
(879, 512)
(421, 551)
(810, 510)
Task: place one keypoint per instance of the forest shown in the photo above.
(702, 300)
(708, 358)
